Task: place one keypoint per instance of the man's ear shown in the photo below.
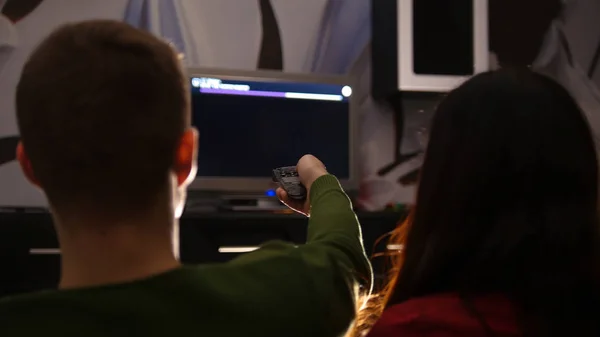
(187, 153)
(26, 165)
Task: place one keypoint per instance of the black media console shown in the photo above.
(30, 258)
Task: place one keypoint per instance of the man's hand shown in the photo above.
(309, 169)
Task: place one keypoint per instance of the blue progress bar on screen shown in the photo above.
(295, 95)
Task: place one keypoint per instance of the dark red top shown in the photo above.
(445, 315)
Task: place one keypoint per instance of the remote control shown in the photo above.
(287, 177)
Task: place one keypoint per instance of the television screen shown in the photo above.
(249, 127)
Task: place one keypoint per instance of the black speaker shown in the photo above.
(427, 45)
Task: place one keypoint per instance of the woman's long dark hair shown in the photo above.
(507, 203)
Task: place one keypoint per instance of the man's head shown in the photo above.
(103, 112)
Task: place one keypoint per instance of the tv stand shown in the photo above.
(200, 202)
(245, 203)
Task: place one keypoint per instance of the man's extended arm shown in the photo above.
(311, 289)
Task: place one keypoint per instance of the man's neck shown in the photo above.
(100, 254)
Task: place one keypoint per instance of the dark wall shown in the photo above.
(517, 28)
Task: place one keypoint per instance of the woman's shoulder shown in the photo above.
(448, 315)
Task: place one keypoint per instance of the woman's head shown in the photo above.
(507, 199)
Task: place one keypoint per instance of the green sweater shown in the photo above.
(279, 290)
